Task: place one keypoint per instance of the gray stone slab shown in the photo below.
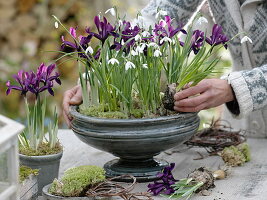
(244, 183)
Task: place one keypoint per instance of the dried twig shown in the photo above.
(110, 188)
(217, 137)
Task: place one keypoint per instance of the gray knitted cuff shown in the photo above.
(242, 93)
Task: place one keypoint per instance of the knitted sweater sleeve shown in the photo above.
(250, 89)
(180, 10)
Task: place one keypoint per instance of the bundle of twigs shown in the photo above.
(217, 137)
(110, 187)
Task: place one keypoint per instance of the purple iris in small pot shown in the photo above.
(163, 185)
(217, 37)
(35, 83)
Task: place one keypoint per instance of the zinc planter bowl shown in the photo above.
(48, 166)
(134, 141)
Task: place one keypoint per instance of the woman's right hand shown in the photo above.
(71, 97)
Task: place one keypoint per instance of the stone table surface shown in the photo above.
(248, 182)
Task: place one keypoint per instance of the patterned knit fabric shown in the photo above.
(249, 79)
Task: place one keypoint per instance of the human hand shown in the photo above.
(71, 97)
(206, 94)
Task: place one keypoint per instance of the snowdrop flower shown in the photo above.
(129, 65)
(161, 13)
(137, 38)
(134, 53)
(146, 34)
(120, 22)
(152, 44)
(113, 61)
(56, 24)
(138, 21)
(166, 39)
(90, 50)
(140, 49)
(157, 53)
(145, 66)
(245, 39)
(112, 11)
(201, 21)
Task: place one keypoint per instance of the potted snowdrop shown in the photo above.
(125, 112)
(37, 149)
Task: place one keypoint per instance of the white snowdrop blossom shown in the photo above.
(120, 22)
(245, 39)
(138, 37)
(161, 13)
(146, 34)
(56, 24)
(113, 61)
(112, 11)
(90, 50)
(201, 21)
(145, 66)
(152, 44)
(129, 65)
(166, 39)
(134, 53)
(140, 49)
(140, 21)
(157, 53)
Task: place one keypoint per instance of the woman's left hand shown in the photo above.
(206, 94)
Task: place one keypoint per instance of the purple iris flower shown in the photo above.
(217, 37)
(35, 82)
(197, 41)
(73, 32)
(163, 185)
(105, 29)
(69, 47)
(161, 31)
(128, 34)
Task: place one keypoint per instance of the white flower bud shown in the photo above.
(245, 39)
(113, 61)
(157, 53)
(112, 11)
(201, 21)
(129, 65)
(56, 24)
(89, 49)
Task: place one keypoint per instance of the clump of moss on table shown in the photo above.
(236, 155)
(25, 172)
(76, 181)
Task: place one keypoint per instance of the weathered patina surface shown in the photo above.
(245, 183)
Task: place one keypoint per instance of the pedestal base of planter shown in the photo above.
(143, 170)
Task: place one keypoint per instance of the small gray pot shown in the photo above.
(47, 196)
(134, 141)
(48, 166)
